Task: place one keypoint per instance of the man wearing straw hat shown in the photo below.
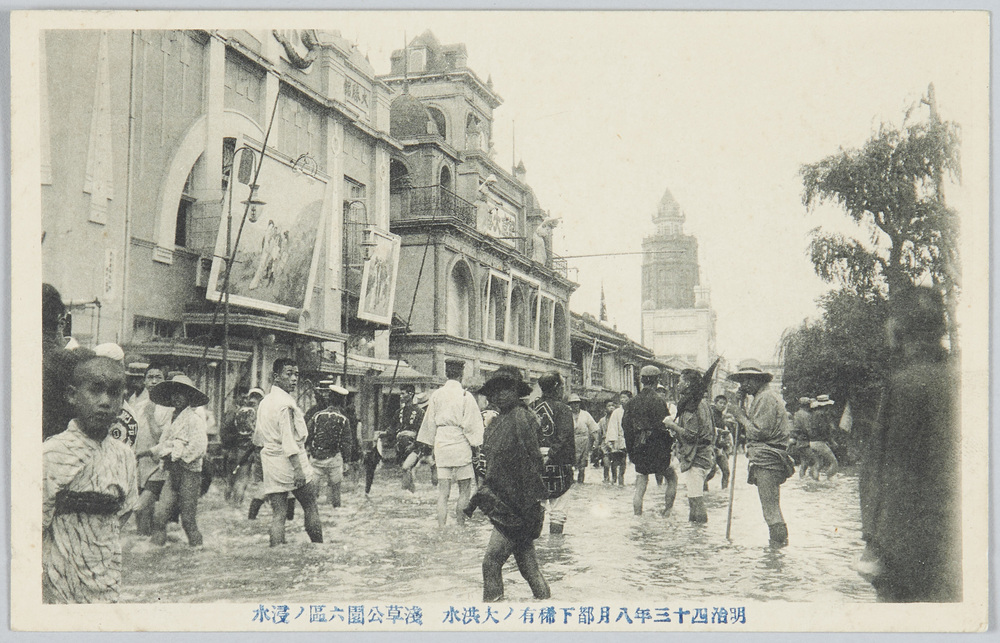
(181, 448)
(820, 436)
(801, 425)
(767, 428)
(282, 432)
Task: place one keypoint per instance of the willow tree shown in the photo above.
(892, 188)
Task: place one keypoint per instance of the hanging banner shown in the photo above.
(378, 281)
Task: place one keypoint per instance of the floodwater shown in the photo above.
(388, 547)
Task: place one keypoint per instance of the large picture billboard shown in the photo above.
(274, 264)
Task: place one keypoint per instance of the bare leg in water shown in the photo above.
(444, 490)
(498, 551)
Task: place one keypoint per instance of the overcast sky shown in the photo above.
(722, 109)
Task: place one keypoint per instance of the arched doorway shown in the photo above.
(445, 178)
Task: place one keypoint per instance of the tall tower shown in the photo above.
(670, 260)
(678, 322)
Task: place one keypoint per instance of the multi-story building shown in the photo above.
(678, 322)
(606, 361)
(150, 142)
(481, 283)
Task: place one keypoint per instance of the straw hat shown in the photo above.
(805, 400)
(649, 371)
(750, 369)
(821, 400)
(256, 391)
(506, 376)
(422, 399)
(573, 397)
(336, 388)
(162, 392)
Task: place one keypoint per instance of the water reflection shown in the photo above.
(388, 547)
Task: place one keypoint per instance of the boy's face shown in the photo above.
(153, 377)
(97, 396)
(288, 378)
(720, 404)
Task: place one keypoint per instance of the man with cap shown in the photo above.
(768, 429)
(182, 449)
(415, 451)
(694, 434)
(647, 439)
(555, 422)
(821, 436)
(398, 440)
(329, 437)
(799, 448)
(126, 426)
(512, 492)
(282, 432)
(454, 426)
(585, 433)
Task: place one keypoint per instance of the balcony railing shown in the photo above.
(433, 203)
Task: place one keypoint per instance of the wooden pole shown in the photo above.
(732, 482)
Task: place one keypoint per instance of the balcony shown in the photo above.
(430, 203)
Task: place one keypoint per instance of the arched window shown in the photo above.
(445, 178)
(559, 332)
(399, 190)
(496, 312)
(518, 319)
(474, 133)
(438, 117)
(461, 306)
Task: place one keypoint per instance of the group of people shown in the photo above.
(813, 437)
(105, 457)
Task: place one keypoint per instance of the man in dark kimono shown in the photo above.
(647, 440)
(512, 493)
(558, 441)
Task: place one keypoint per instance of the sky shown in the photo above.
(720, 108)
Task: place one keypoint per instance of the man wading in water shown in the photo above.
(647, 440)
(768, 429)
(512, 493)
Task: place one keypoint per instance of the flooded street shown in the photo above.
(389, 547)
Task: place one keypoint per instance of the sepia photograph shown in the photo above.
(655, 321)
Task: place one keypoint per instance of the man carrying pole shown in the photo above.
(767, 428)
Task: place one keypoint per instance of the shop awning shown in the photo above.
(186, 350)
(257, 323)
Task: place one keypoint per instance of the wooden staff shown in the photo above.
(732, 481)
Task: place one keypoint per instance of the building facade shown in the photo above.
(607, 362)
(481, 283)
(678, 322)
(153, 174)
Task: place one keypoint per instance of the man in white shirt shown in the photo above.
(281, 432)
(454, 426)
(614, 441)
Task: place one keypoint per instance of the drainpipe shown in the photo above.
(126, 252)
